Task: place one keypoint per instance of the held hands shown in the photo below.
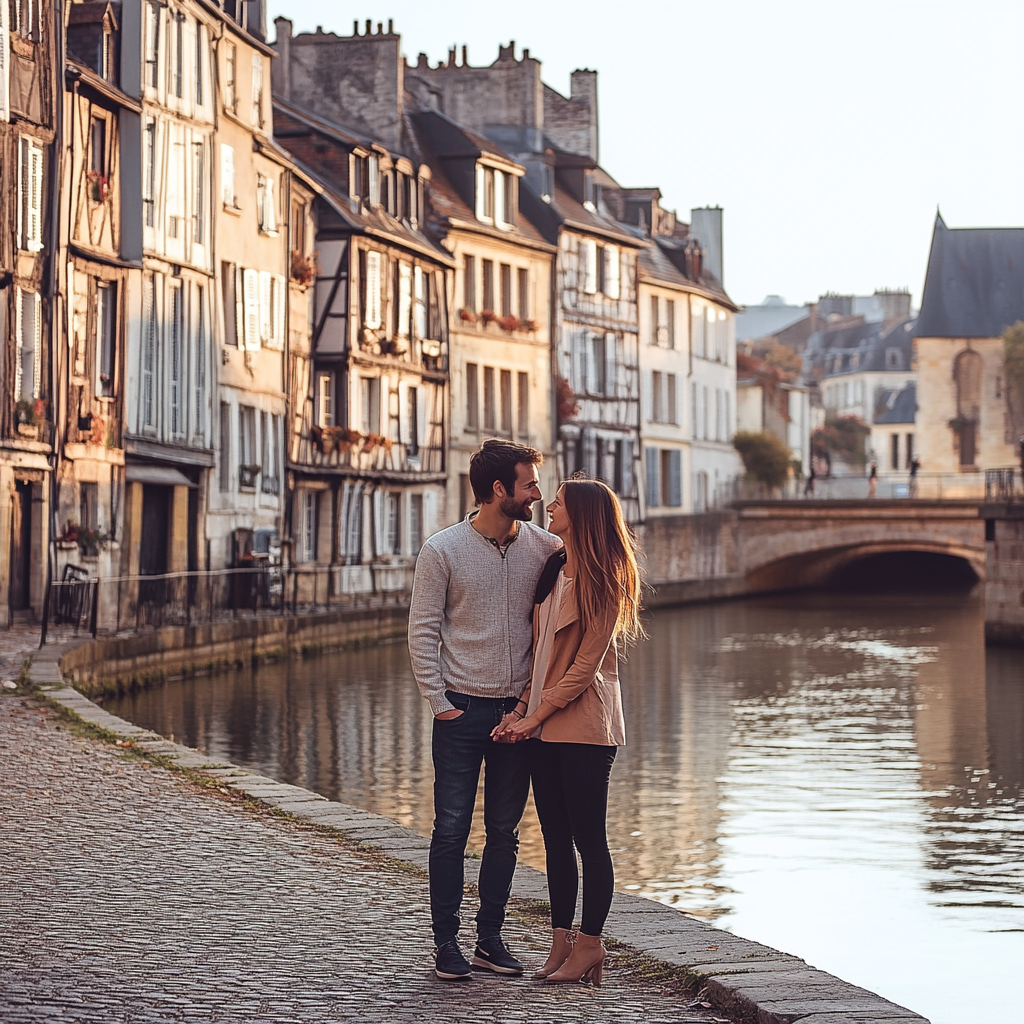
(513, 728)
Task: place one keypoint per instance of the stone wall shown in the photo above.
(1004, 577)
(123, 663)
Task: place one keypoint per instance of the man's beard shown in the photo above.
(513, 509)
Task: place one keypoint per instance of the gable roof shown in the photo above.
(974, 287)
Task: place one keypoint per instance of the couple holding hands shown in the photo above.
(514, 634)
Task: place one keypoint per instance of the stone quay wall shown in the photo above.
(1004, 574)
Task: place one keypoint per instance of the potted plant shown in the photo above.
(303, 268)
(467, 316)
(565, 400)
(488, 316)
(509, 323)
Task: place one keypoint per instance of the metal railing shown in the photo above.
(990, 485)
(129, 604)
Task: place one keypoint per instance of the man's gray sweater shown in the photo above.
(469, 623)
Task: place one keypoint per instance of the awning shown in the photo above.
(164, 475)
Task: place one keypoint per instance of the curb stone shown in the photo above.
(739, 976)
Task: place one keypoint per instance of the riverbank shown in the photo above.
(740, 977)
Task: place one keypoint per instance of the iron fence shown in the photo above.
(128, 604)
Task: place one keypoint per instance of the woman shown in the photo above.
(588, 604)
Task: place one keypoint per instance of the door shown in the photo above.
(156, 505)
(21, 545)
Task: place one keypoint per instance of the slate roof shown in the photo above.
(896, 406)
(860, 348)
(974, 287)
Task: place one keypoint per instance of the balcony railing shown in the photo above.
(130, 604)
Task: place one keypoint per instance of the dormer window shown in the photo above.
(495, 196)
(589, 191)
(893, 361)
(547, 183)
(373, 179)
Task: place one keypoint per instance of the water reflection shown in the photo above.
(851, 793)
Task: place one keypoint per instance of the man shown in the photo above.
(470, 643)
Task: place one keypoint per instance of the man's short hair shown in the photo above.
(497, 460)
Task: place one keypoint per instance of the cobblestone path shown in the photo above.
(129, 894)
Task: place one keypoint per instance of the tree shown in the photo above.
(843, 436)
(765, 457)
(1013, 367)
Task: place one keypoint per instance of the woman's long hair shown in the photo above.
(607, 573)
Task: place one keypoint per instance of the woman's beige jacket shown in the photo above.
(582, 681)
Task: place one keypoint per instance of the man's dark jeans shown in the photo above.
(459, 746)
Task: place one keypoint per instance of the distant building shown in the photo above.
(782, 410)
(891, 444)
(973, 291)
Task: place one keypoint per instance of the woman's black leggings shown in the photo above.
(570, 789)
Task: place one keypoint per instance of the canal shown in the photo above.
(852, 794)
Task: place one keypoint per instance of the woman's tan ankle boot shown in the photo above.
(585, 961)
(561, 947)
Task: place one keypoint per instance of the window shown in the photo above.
(484, 193)
(499, 198)
(894, 451)
(412, 447)
(247, 465)
(909, 450)
(30, 194)
(351, 524)
(419, 308)
(728, 417)
(199, 356)
(392, 518)
(200, 56)
(469, 283)
(711, 337)
(523, 426)
(266, 331)
(149, 174)
(596, 365)
(697, 330)
(506, 402)
(670, 321)
(257, 90)
(175, 376)
(506, 289)
(149, 345)
(413, 203)
(403, 307)
(275, 339)
(88, 506)
(307, 525)
(893, 359)
(371, 317)
(231, 79)
(371, 404)
(693, 411)
(178, 75)
(325, 399)
(415, 523)
(105, 339)
(671, 410)
(672, 477)
(472, 396)
(524, 293)
(373, 179)
(175, 203)
(225, 446)
(98, 148)
(488, 273)
(657, 409)
(489, 397)
(227, 176)
(588, 260)
(25, 18)
(655, 319)
(266, 206)
(297, 228)
(153, 44)
(610, 271)
(652, 471)
(270, 480)
(704, 408)
(199, 183)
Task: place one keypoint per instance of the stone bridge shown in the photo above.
(757, 547)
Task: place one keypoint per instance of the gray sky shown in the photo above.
(829, 130)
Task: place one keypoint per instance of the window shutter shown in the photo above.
(671, 403)
(266, 314)
(675, 478)
(588, 257)
(227, 174)
(277, 319)
(610, 365)
(648, 406)
(18, 375)
(270, 210)
(404, 299)
(5, 55)
(239, 299)
(480, 192)
(611, 271)
(251, 298)
(499, 198)
(373, 290)
(379, 523)
(651, 466)
(627, 484)
(36, 241)
(257, 90)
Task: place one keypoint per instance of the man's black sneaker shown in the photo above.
(450, 963)
(491, 954)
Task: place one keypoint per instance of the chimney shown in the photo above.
(706, 227)
(280, 69)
